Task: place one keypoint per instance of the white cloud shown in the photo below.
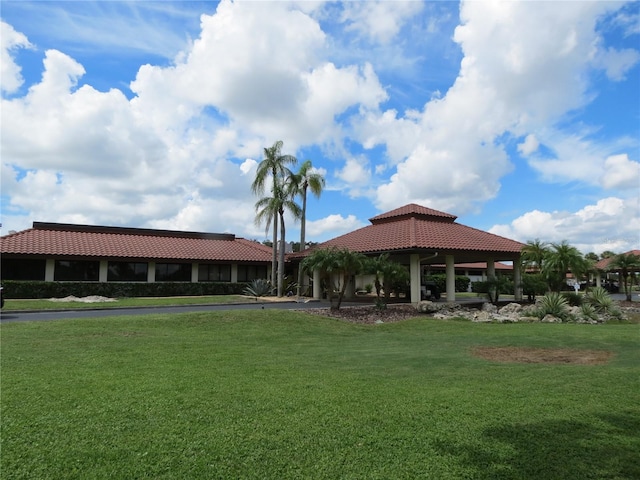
(525, 67)
(621, 172)
(332, 226)
(529, 145)
(10, 72)
(616, 63)
(380, 21)
(610, 224)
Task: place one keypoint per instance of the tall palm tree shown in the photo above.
(274, 167)
(285, 203)
(306, 180)
(627, 264)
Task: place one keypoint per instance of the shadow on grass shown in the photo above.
(607, 448)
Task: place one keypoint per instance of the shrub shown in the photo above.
(553, 304)
(602, 302)
(258, 288)
(574, 299)
(588, 312)
(32, 289)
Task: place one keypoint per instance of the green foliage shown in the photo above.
(368, 288)
(271, 394)
(380, 303)
(493, 287)
(339, 262)
(588, 311)
(554, 304)
(602, 302)
(440, 279)
(258, 288)
(533, 284)
(30, 289)
(573, 299)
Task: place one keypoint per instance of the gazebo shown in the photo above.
(414, 235)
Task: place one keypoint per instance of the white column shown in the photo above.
(491, 268)
(317, 288)
(598, 280)
(517, 280)
(194, 272)
(151, 272)
(451, 279)
(104, 269)
(49, 270)
(234, 273)
(414, 277)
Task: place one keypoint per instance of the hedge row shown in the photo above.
(462, 282)
(24, 289)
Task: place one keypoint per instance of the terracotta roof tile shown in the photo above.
(108, 242)
(604, 263)
(418, 228)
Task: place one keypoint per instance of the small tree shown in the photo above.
(627, 264)
(334, 262)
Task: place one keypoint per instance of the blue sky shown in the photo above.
(521, 118)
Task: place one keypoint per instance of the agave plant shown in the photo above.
(258, 288)
(554, 304)
(602, 302)
(588, 312)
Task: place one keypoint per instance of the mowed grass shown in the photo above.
(46, 304)
(283, 395)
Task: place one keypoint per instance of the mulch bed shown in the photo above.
(543, 355)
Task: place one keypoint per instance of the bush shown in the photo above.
(602, 302)
(462, 282)
(574, 299)
(258, 288)
(553, 304)
(30, 289)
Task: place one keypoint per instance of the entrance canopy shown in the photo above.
(416, 235)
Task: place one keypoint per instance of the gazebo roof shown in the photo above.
(414, 228)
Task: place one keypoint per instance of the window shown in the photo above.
(214, 273)
(76, 271)
(127, 272)
(246, 273)
(19, 269)
(173, 272)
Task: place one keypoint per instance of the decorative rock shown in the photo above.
(489, 307)
(548, 318)
(510, 309)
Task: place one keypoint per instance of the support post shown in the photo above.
(517, 280)
(414, 277)
(451, 279)
(317, 287)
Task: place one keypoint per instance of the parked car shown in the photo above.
(429, 291)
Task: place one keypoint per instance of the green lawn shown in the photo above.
(45, 304)
(279, 394)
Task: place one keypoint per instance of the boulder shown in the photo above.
(548, 318)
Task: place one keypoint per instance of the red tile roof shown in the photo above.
(47, 239)
(414, 228)
(604, 263)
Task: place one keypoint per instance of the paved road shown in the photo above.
(6, 317)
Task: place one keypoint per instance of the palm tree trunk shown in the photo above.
(281, 259)
(274, 257)
(303, 224)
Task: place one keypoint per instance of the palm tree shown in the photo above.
(306, 179)
(627, 264)
(334, 261)
(533, 254)
(561, 259)
(285, 203)
(274, 166)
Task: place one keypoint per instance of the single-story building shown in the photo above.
(418, 237)
(65, 252)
